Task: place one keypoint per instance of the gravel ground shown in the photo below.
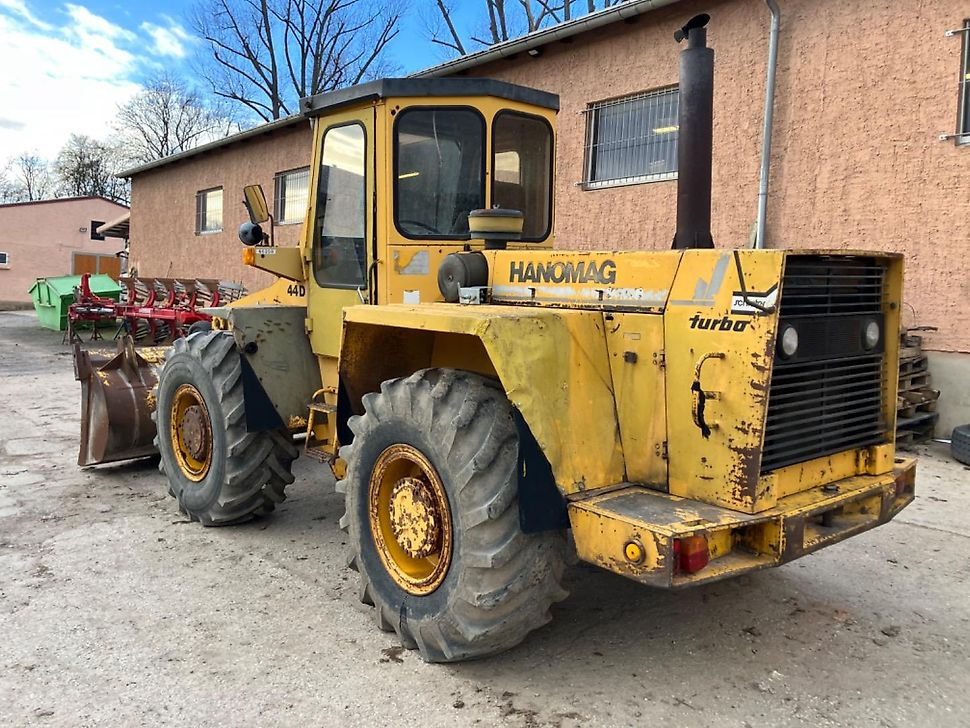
(115, 611)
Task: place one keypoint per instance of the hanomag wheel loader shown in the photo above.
(689, 415)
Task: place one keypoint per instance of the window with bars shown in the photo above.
(963, 126)
(632, 139)
(292, 195)
(208, 211)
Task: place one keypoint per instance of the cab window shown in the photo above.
(439, 164)
(339, 244)
(522, 170)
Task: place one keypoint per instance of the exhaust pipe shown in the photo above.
(696, 137)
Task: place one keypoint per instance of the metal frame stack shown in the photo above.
(916, 401)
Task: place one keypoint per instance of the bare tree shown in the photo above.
(501, 20)
(167, 117)
(32, 178)
(85, 166)
(8, 190)
(267, 54)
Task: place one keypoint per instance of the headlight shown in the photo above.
(871, 334)
(787, 341)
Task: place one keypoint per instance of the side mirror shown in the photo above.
(255, 202)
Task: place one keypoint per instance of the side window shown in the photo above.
(439, 170)
(340, 230)
(208, 211)
(292, 195)
(964, 127)
(522, 170)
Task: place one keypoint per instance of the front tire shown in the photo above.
(219, 473)
(432, 513)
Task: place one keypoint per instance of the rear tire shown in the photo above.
(234, 475)
(499, 582)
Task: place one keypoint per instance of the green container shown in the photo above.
(54, 296)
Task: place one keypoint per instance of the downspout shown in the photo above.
(769, 116)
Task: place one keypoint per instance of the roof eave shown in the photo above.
(218, 143)
(538, 38)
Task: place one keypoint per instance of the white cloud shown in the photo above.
(168, 41)
(60, 79)
(19, 7)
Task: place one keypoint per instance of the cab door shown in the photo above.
(341, 235)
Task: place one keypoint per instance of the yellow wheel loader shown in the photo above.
(687, 415)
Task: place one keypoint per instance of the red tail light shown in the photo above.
(691, 554)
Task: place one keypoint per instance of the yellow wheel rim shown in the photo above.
(410, 519)
(191, 432)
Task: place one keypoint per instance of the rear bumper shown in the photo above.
(633, 530)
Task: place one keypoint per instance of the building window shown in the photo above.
(208, 211)
(292, 195)
(964, 121)
(4, 260)
(632, 139)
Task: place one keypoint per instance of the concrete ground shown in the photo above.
(115, 611)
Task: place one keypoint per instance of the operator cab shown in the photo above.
(400, 163)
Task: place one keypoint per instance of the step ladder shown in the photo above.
(321, 427)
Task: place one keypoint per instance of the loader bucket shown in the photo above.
(117, 402)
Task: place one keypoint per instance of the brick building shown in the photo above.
(55, 238)
(188, 207)
(865, 90)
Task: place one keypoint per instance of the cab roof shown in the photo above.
(426, 87)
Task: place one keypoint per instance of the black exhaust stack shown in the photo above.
(696, 137)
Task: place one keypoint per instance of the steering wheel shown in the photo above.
(418, 223)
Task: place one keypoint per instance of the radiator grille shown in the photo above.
(830, 398)
(821, 286)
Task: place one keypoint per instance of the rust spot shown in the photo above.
(745, 474)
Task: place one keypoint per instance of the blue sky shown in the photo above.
(69, 65)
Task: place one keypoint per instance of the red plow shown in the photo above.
(154, 311)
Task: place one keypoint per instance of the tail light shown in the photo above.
(691, 554)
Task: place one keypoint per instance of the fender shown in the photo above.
(279, 372)
(552, 363)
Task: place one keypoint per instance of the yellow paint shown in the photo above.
(636, 354)
(738, 542)
(280, 292)
(325, 303)
(634, 552)
(193, 461)
(724, 467)
(638, 372)
(283, 262)
(553, 365)
(413, 537)
(618, 281)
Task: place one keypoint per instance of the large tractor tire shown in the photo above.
(432, 513)
(219, 473)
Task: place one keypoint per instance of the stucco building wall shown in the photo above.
(863, 91)
(163, 241)
(40, 238)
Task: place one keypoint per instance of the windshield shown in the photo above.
(439, 170)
